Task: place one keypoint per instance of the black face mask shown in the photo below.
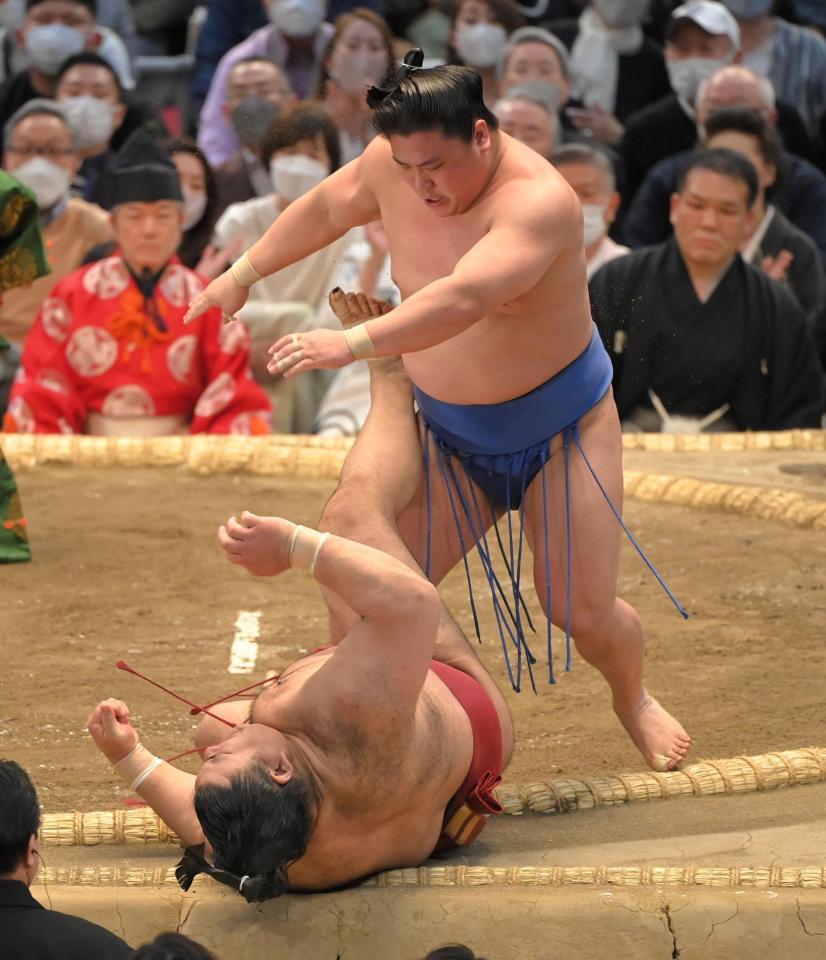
(252, 118)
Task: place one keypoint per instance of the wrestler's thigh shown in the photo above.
(449, 541)
(595, 533)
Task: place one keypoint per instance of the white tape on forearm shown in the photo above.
(360, 342)
(244, 273)
(136, 766)
(153, 766)
(305, 546)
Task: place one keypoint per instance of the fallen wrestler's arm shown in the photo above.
(166, 789)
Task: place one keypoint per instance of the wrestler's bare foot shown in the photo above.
(658, 736)
(354, 308)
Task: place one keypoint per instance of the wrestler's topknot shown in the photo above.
(445, 98)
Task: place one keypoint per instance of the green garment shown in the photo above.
(22, 260)
(22, 257)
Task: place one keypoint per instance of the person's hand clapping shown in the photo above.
(223, 292)
(112, 730)
(778, 267)
(313, 350)
(259, 544)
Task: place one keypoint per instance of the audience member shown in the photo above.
(27, 929)
(227, 23)
(52, 31)
(808, 13)
(528, 113)
(92, 100)
(360, 55)
(257, 92)
(430, 31)
(300, 150)
(162, 27)
(534, 55)
(660, 309)
(198, 189)
(172, 946)
(800, 193)
(591, 175)
(773, 244)
(40, 154)
(478, 37)
(296, 39)
(109, 353)
(701, 37)
(452, 951)
(792, 57)
(615, 69)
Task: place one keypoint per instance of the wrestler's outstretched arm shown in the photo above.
(528, 232)
(310, 223)
(167, 790)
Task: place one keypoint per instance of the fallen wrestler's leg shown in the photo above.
(606, 630)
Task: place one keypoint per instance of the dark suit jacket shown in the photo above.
(30, 932)
(663, 128)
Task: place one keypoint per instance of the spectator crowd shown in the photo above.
(161, 141)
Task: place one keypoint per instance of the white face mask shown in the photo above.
(91, 120)
(353, 73)
(481, 45)
(687, 74)
(49, 182)
(48, 46)
(195, 202)
(595, 227)
(297, 18)
(12, 14)
(621, 14)
(294, 174)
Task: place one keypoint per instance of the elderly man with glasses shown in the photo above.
(40, 153)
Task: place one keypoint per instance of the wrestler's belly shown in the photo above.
(498, 359)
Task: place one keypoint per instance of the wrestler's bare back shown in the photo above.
(509, 352)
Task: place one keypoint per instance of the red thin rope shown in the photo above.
(123, 665)
(196, 710)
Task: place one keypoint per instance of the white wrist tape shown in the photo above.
(136, 766)
(244, 273)
(305, 546)
(359, 342)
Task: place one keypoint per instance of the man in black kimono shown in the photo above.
(698, 338)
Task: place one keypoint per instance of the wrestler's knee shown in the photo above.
(344, 512)
(593, 624)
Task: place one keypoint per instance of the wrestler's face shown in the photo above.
(711, 218)
(446, 173)
(249, 743)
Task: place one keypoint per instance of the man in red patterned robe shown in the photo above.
(109, 353)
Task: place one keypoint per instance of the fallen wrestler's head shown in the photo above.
(440, 130)
(257, 802)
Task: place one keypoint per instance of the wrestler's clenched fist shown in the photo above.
(112, 729)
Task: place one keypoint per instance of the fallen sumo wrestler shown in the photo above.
(376, 751)
(512, 383)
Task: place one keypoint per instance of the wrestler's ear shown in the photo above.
(283, 772)
(481, 135)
